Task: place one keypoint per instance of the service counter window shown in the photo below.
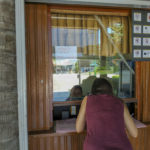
(85, 47)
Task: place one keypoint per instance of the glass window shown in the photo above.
(83, 51)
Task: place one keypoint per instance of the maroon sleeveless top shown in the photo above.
(105, 124)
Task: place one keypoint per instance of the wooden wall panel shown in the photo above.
(139, 143)
(39, 72)
(74, 141)
(71, 141)
(138, 88)
(148, 137)
(143, 90)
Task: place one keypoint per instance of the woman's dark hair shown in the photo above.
(101, 86)
(74, 88)
(78, 87)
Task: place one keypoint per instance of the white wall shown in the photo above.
(126, 3)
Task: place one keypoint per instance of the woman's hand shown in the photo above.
(129, 123)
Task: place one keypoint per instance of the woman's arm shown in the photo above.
(80, 122)
(129, 123)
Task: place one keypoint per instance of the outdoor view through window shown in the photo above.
(83, 51)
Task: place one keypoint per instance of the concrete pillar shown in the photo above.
(8, 80)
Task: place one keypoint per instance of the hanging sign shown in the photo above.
(66, 52)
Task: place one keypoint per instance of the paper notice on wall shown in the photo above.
(148, 17)
(137, 28)
(146, 41)
(137, 53)
(137, 16)
(146, 29)
(137, 41)
(146, 53)
(62, 52)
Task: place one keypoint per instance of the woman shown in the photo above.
(106, 118)
(76, 93)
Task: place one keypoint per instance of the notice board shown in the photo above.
(141, 35)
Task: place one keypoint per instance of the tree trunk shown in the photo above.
(8, 80)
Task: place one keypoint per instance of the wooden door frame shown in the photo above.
(21, 73)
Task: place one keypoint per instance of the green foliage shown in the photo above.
(76, 67)
(115, 77)
(116, 32)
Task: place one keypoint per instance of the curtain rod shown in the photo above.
(85, 12)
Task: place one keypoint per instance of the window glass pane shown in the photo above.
(82, 51)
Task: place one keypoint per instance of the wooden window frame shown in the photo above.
(76, 9)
